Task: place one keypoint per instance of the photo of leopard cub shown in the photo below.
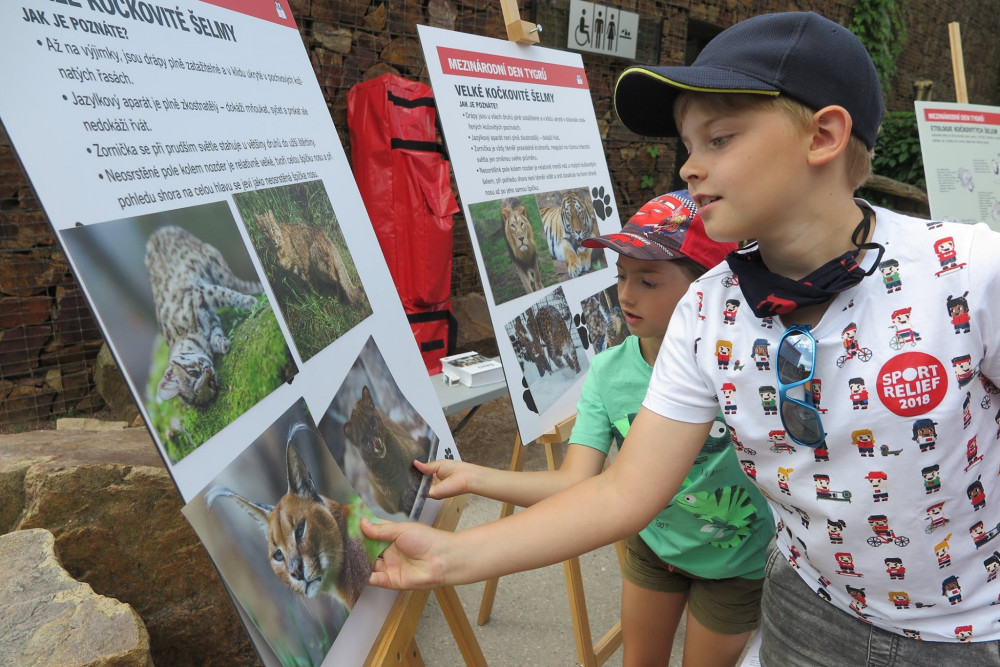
(307, 262)
(191, 282)
(309, 255)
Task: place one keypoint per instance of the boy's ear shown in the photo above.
(831, 128)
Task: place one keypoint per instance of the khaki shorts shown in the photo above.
(727, 606)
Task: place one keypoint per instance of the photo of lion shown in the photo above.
(513, 247)
(520, 239)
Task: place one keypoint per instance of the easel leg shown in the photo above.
(588, 653)
(574, 588)
(451, 605)
(412, 657)
(395, 644)
(490, 591)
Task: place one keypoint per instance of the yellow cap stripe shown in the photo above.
(697, 89)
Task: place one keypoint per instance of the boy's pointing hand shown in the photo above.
(412, 561)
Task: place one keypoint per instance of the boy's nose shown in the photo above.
(624, 292)
(690, 171)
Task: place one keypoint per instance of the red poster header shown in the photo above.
(962, 116)
(276, 11)
(488, 66)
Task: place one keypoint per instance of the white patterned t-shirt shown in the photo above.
(897, 519)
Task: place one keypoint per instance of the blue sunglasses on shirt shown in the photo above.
(795, 367)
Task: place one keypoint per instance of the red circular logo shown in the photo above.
(912, 383)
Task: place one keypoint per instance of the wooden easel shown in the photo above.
(958, 63)
(588, 653)
(395, 644)
(522, 32)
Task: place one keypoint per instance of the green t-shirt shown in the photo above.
(718, 525)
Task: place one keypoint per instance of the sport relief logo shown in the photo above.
(912, 383)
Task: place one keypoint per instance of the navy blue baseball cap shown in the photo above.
(800, 54)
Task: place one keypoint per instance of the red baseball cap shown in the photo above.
(666, 227)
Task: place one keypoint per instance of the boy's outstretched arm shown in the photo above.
(521, 488)
(645, 476)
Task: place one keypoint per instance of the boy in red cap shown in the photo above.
(778, 115)
(697, 552)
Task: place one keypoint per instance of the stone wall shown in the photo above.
(48, 340)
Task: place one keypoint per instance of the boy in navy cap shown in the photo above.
(778, 115)
(696, 553)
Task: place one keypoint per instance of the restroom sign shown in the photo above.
(596, 28)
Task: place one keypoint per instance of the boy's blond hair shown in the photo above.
(858, 157)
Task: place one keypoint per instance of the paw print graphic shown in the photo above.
(602, 202)
(448, 454)
(529, 400)
(582, 330)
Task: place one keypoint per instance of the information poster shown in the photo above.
(533, 181)
(961, 150)
(186, 158)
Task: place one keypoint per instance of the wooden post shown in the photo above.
(588, 653)
(522, 32)
(958, 63)
(395, 644)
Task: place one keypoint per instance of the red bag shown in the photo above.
(404, 181)
(435, 331)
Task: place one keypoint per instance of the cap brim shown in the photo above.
(646, 249)
(644, 96)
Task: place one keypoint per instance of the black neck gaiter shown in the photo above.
(769, 294)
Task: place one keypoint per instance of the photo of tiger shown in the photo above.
(568, 218)
(532, 241)
(548, 348)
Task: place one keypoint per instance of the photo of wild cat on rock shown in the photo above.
(186, 314)
(376, 434)
(191, 282)
(306, 261)
(281, 523)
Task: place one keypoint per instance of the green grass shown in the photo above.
(257, 364)
(314, 319)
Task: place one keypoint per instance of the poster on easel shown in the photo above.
(534, 183)
(960, 144)
(186, 159)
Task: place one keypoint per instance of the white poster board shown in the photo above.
(961, 151)
(533, 181)
(186, 158)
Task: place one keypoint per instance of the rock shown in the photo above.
(46, 617)
(112, 387)
(116, 517)
(88, 424)
(475, 329)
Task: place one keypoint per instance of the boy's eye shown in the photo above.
(621, 277)
(720, 141)
(646, 283)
